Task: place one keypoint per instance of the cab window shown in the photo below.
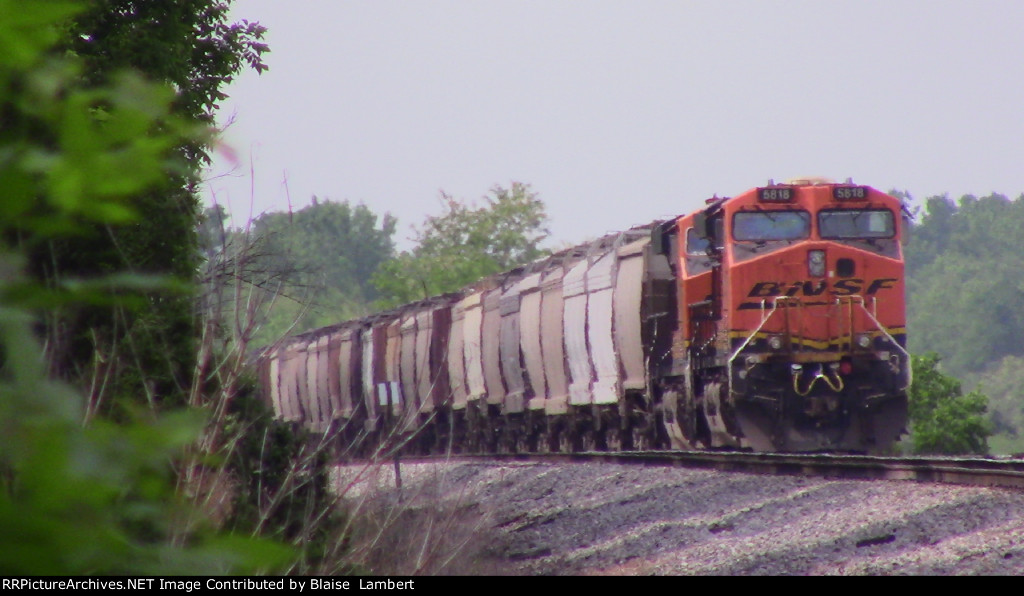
(771, 225)
(696, 245)
(856, 223)
(698, 259)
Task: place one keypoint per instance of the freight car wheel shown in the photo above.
(614, 439)
(459, 438)
(519, 441)
(427, 436)
(639, 432)
(493, 426)
(473, 423)
(512, 434)
(445, 442)
(504, 437)
(489, 442)
(641, 436)
(544, 439)
(566, 439)
(588, 440)
(532, 432)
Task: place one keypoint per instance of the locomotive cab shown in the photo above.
(791, 326)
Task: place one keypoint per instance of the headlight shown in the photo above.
(816, 263)
(775, 342)
(864, 340)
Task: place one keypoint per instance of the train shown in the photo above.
(773, 320)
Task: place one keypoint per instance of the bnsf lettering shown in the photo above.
(765, 288)
(843, 287)
(771, 288)
(879, 284)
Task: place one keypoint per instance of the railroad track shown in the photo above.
(974, 471)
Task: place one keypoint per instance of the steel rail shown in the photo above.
(973, 471)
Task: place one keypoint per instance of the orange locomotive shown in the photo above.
(791, 333)
(773, 320)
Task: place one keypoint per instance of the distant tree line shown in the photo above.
(965, 301)
(334, 261)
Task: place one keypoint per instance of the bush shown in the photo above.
(943, 420)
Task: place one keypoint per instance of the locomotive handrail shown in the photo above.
(851, 300)
(746, 342)
(882, 328)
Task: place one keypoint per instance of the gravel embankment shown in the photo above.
(576, 519)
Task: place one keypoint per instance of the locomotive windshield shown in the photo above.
(856, 223)
(771, 225)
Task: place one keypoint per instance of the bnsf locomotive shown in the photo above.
(773, 320)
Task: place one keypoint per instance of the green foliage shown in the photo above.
(276, 472)
(965, 298)
(80, 498)
(984, 229)
(943, 420)
(281, 484)
(100, 499)
(189, 44)
(1003, 382)
(466, 243)
(190, 47)
(969, 311)
(316, 262)
(965, 290)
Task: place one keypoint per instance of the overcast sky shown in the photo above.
(619, 112)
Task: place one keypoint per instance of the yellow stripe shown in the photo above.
(815, 343)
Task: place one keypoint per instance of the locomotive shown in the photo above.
(773, 320)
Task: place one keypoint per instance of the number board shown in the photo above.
(850, 193)
(775, 194)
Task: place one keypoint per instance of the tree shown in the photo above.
(1003, 382)
(943, 420)
(929, 237)
(965, 288)
(465, 244)
(81, 499)
(313, 265)
(150, 349)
